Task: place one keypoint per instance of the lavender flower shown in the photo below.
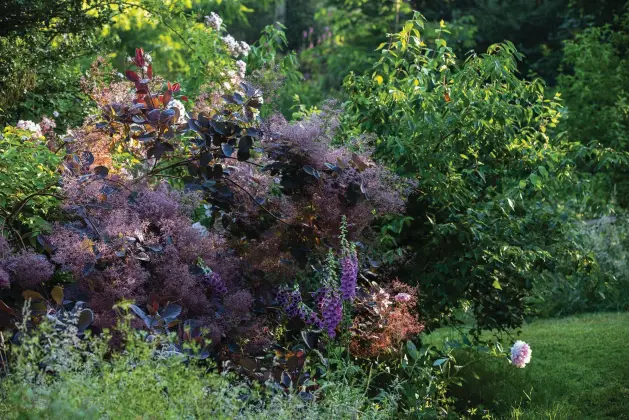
(292, 302)
(349, 276)
(215, 282)
(294, 307)
(520, 354)
(349, 265)
(332, 311)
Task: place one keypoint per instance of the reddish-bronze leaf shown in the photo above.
(168, 95)
(132, 76)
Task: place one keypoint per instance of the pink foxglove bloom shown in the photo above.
(402, 297)
(520, 354)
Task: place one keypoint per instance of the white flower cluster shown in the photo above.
(30, 126)
(242, 68)
(174, 103)
(214, 21)
(236, 48)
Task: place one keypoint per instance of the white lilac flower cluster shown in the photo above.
(28, 125)
(236, 48)
(214, 21)
(242, 68)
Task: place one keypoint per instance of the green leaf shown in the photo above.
(535, 180)
(440, 362)
(411, 349)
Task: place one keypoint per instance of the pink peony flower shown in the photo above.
(520, 354)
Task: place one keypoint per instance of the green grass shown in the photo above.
(579, 370)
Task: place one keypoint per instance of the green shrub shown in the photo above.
(29, 181)
(593, 85)
(476, 137)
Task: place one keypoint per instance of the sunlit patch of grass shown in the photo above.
(579, 370)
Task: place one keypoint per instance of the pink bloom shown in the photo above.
(520, 354)
(402, 297)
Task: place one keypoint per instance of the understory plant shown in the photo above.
(54, 374)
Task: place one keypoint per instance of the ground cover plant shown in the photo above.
(209, 228)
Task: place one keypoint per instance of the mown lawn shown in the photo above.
(579, 370)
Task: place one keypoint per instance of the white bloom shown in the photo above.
(244, 48)
(214, 21)
(231, 44)
(29, 126)
(174, 103)
(242, 68)
(55, 114)
(201, 229)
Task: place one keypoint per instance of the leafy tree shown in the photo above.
(41, 42)
(476, 139)
(592, 81)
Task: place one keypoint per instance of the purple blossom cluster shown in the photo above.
(294, 307)
(332, 311)
(349, 275)
(26, 269)
(215, 283)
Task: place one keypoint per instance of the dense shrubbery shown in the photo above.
(288, 268)
(477, 139)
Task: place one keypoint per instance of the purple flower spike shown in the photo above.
(332, 311)
(349, 276)
(215, 282)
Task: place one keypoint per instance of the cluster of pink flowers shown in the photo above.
(520, 354)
